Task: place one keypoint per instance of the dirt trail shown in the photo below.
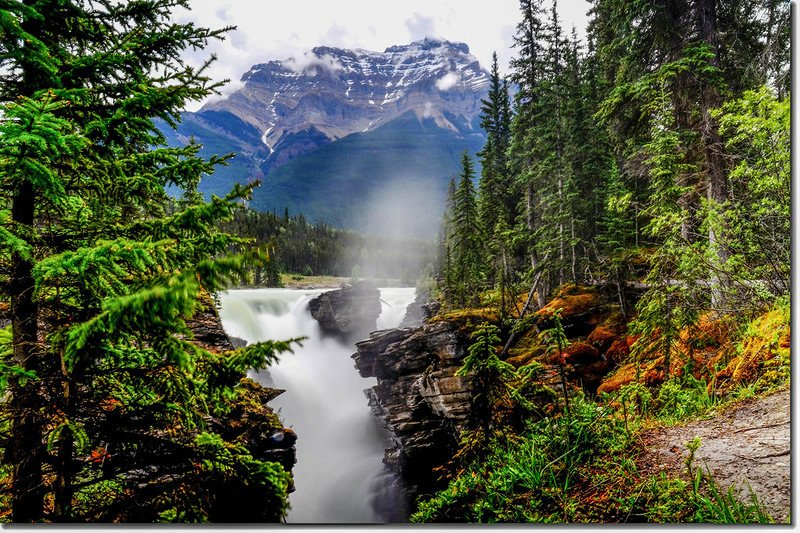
(748, 443)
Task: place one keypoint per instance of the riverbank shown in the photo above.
(297, 281)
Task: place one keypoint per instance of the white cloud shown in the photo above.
(268, 30)
(448, 81)
(420, 27)
(310, 63)
(222, 13)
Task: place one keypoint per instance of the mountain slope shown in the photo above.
(357, 182)
(326, 130)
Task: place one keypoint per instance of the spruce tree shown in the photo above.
(113, 410)
(490, 381)
(525, 149)
(467, 255)
(496, 195)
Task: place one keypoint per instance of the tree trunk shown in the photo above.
(63, 486)
(25, 450)
(717, 184)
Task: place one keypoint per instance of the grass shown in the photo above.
(296, 281)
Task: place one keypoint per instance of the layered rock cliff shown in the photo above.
(418, 397)
(425, 406)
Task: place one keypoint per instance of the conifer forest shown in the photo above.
(599, 333)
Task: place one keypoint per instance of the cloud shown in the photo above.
(310, 63)
(420, 27)
(223, 14)
(336, 35)
(448, 81)
(239, 40)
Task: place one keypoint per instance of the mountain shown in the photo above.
(356, 138)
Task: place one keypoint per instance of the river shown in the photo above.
(339, 476)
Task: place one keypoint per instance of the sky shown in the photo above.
(271, 29)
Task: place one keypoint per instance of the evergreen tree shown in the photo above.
(525, 146)
(467, 251)
(496, 199)
(113, 411)
(490, 379)
(447, 271)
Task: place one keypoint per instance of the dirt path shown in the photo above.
(748, 443)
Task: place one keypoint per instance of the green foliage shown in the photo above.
(104, 272)
(557, 342)
(700, 500)
(655, 162)
(9, 372)
(489, 378)
(683, 397)
(464, 241)
(530, 478)
(756, 127)
(716, 506)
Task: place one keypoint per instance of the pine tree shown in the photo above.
(496, 195)
(616, 233)
(446, 272)
(490, 380)
(467, 251)
(525, 146)
(102, 272)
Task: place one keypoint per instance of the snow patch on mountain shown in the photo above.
(330, 93)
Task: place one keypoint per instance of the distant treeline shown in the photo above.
(297, 246)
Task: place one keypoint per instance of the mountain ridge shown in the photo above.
(290, 109)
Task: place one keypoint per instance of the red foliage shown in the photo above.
(99, 455)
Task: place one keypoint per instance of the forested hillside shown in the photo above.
(298, 247)
(613, 264)
(624, 261)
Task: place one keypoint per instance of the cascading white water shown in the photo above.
(340, 444)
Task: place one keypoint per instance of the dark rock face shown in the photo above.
(251, 421)
(419, 311)
(418, 397)
(348, 313)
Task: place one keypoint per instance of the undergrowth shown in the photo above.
(580, 463)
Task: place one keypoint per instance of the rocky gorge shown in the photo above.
(426, 406)
(418, 396)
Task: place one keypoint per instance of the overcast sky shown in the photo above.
(271, 29)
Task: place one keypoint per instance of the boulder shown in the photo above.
(348, 313)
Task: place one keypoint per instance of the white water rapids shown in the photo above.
(339, 476)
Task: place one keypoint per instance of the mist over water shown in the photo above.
(409, 208)
(339, 475)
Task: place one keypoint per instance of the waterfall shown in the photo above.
(339, 472)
